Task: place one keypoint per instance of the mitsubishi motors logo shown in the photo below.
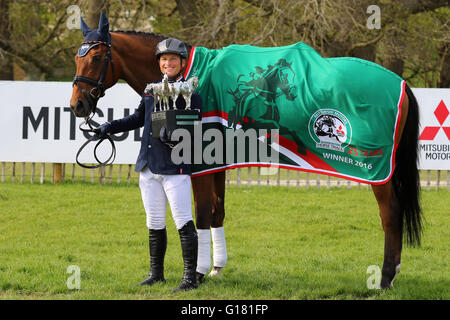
(434, 139)
(430, 132)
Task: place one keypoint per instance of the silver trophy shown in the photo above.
(166, 120)
(187, 89)
(164, 90)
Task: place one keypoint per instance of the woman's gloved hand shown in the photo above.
(103, 131)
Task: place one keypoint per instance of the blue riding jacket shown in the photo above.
(153, 153)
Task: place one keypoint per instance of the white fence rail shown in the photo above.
(241, 177)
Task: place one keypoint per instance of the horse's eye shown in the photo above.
(96, 58)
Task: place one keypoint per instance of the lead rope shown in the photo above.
(91, 129)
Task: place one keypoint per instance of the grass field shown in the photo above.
(283, 243)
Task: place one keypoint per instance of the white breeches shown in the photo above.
(157, 189)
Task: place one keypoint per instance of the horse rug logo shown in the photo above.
(330, 129)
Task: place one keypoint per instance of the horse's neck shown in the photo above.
(135, 55)
(135, 59)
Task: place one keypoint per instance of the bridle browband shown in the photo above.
(92, 98)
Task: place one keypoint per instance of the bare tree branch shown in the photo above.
(364, 44)
(52, 34)
(416, 6)
(26, 56)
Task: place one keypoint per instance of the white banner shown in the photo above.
(434, 130)
(37, 125)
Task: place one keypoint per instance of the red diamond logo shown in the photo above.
(441, 113)
(429, 133)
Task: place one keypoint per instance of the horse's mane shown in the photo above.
(141, 33)
(147, 35)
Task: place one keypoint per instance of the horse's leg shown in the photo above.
(392, 225)
(217, 229)
(203, 200)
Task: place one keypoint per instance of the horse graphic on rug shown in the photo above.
(264, 87)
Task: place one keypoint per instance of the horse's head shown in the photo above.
(285, 79)
(272, 82)
(94, 68)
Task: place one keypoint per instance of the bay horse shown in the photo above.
(130, 56)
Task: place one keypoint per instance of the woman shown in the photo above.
(161, 180)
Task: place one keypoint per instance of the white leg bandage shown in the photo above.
(204, 250)
(397, 271)
(219, 247)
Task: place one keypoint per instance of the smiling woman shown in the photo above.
(171, 64)
(171, 55)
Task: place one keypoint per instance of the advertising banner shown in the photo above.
(37, 125)
(434, 132)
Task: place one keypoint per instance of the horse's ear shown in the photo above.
(84, 27)
(103, 24)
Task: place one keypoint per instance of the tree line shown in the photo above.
(39, 39)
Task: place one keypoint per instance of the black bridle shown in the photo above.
(98, 89)
(92, 98)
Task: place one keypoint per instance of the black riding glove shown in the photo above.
(103, 131)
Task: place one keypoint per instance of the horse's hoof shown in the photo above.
(216, 272)
(387, 283)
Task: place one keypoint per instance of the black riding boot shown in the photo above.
(157, 242)
(189, 247)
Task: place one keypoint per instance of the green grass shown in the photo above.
(283, 243)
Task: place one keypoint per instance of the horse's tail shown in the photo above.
(406, 180)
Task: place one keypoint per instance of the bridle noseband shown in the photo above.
(92, 98)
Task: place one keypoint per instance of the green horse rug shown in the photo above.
(334, 116)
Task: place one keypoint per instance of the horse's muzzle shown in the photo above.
(81, 108)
